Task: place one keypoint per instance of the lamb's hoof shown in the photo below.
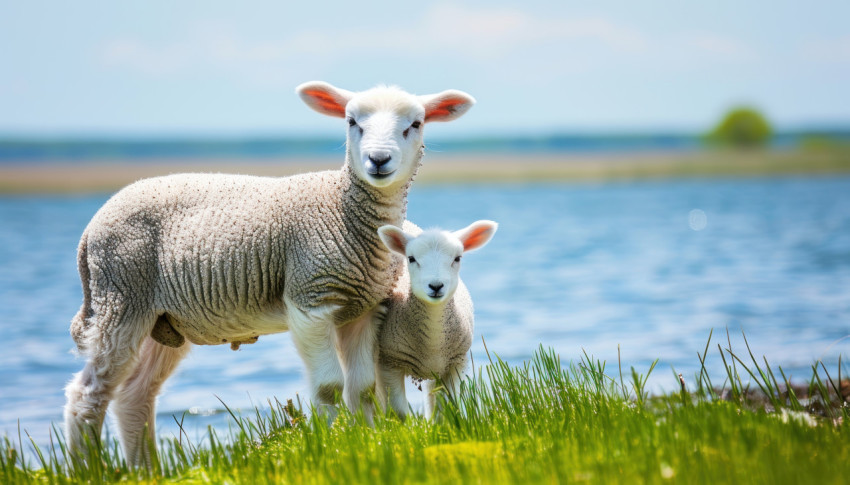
(163, 332)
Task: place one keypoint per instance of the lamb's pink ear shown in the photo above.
(324, 98)
(446, 106)
(393, 238)
(476, 234)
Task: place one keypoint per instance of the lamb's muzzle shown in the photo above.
(435, 287)
(377, 163)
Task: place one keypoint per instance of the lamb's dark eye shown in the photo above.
(411, 259)
(457, 259)
(415, 125)
(351, 122)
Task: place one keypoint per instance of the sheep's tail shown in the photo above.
(80, 322)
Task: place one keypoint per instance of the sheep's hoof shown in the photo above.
(163, 332)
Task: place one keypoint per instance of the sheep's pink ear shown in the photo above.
(476, 234)
(324, 98)
(393, 238)
(446, 106)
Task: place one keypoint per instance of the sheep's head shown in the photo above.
(433, 257)
(385, 125)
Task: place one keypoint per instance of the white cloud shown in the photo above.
(465, 33)
(485, 31)
(200, 50)
(138, 56)
(827, 50)
(722, 47)
(491, 41)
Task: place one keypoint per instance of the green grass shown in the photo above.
(537, 422)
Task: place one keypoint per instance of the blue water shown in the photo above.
(140, 150)
(136, 151)
(649, 266)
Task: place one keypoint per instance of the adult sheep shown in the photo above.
(214, 259)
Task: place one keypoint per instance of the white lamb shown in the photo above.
(215, 259)
(427, 329)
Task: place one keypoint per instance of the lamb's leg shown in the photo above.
(389, 387)
(135, 402)
(356, 343)
(111, 358)
(451, 383)
(429, 387)
(314, 337)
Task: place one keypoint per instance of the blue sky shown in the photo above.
(229, 68)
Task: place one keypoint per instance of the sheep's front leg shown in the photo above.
(314, 336)
(355, 344)
(389, 387)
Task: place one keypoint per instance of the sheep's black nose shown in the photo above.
(436, 286)
(379, 159)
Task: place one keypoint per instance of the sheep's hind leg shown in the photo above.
(135, 401)
(111, 358)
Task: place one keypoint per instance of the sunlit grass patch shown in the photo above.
(455, 461)
(541, 421)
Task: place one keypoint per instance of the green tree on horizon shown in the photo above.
(742, 127)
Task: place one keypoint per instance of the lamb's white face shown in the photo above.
(384, 135)
(433, 262)
(433, 257)
(385, 125)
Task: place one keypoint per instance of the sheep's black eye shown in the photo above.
(411, 259)
(457, 259)
(351, 122)
(415, 125)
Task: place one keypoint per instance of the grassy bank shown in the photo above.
(538, 422)
(707, 163)
(82, 176)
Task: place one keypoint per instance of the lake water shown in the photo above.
(651, 266)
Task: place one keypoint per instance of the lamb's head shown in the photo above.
(433, 257)
(385, 125)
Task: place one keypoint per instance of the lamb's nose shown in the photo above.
(436, 286)
(379, 159)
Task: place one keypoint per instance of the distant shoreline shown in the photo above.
(82, 176)
(145, 148)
